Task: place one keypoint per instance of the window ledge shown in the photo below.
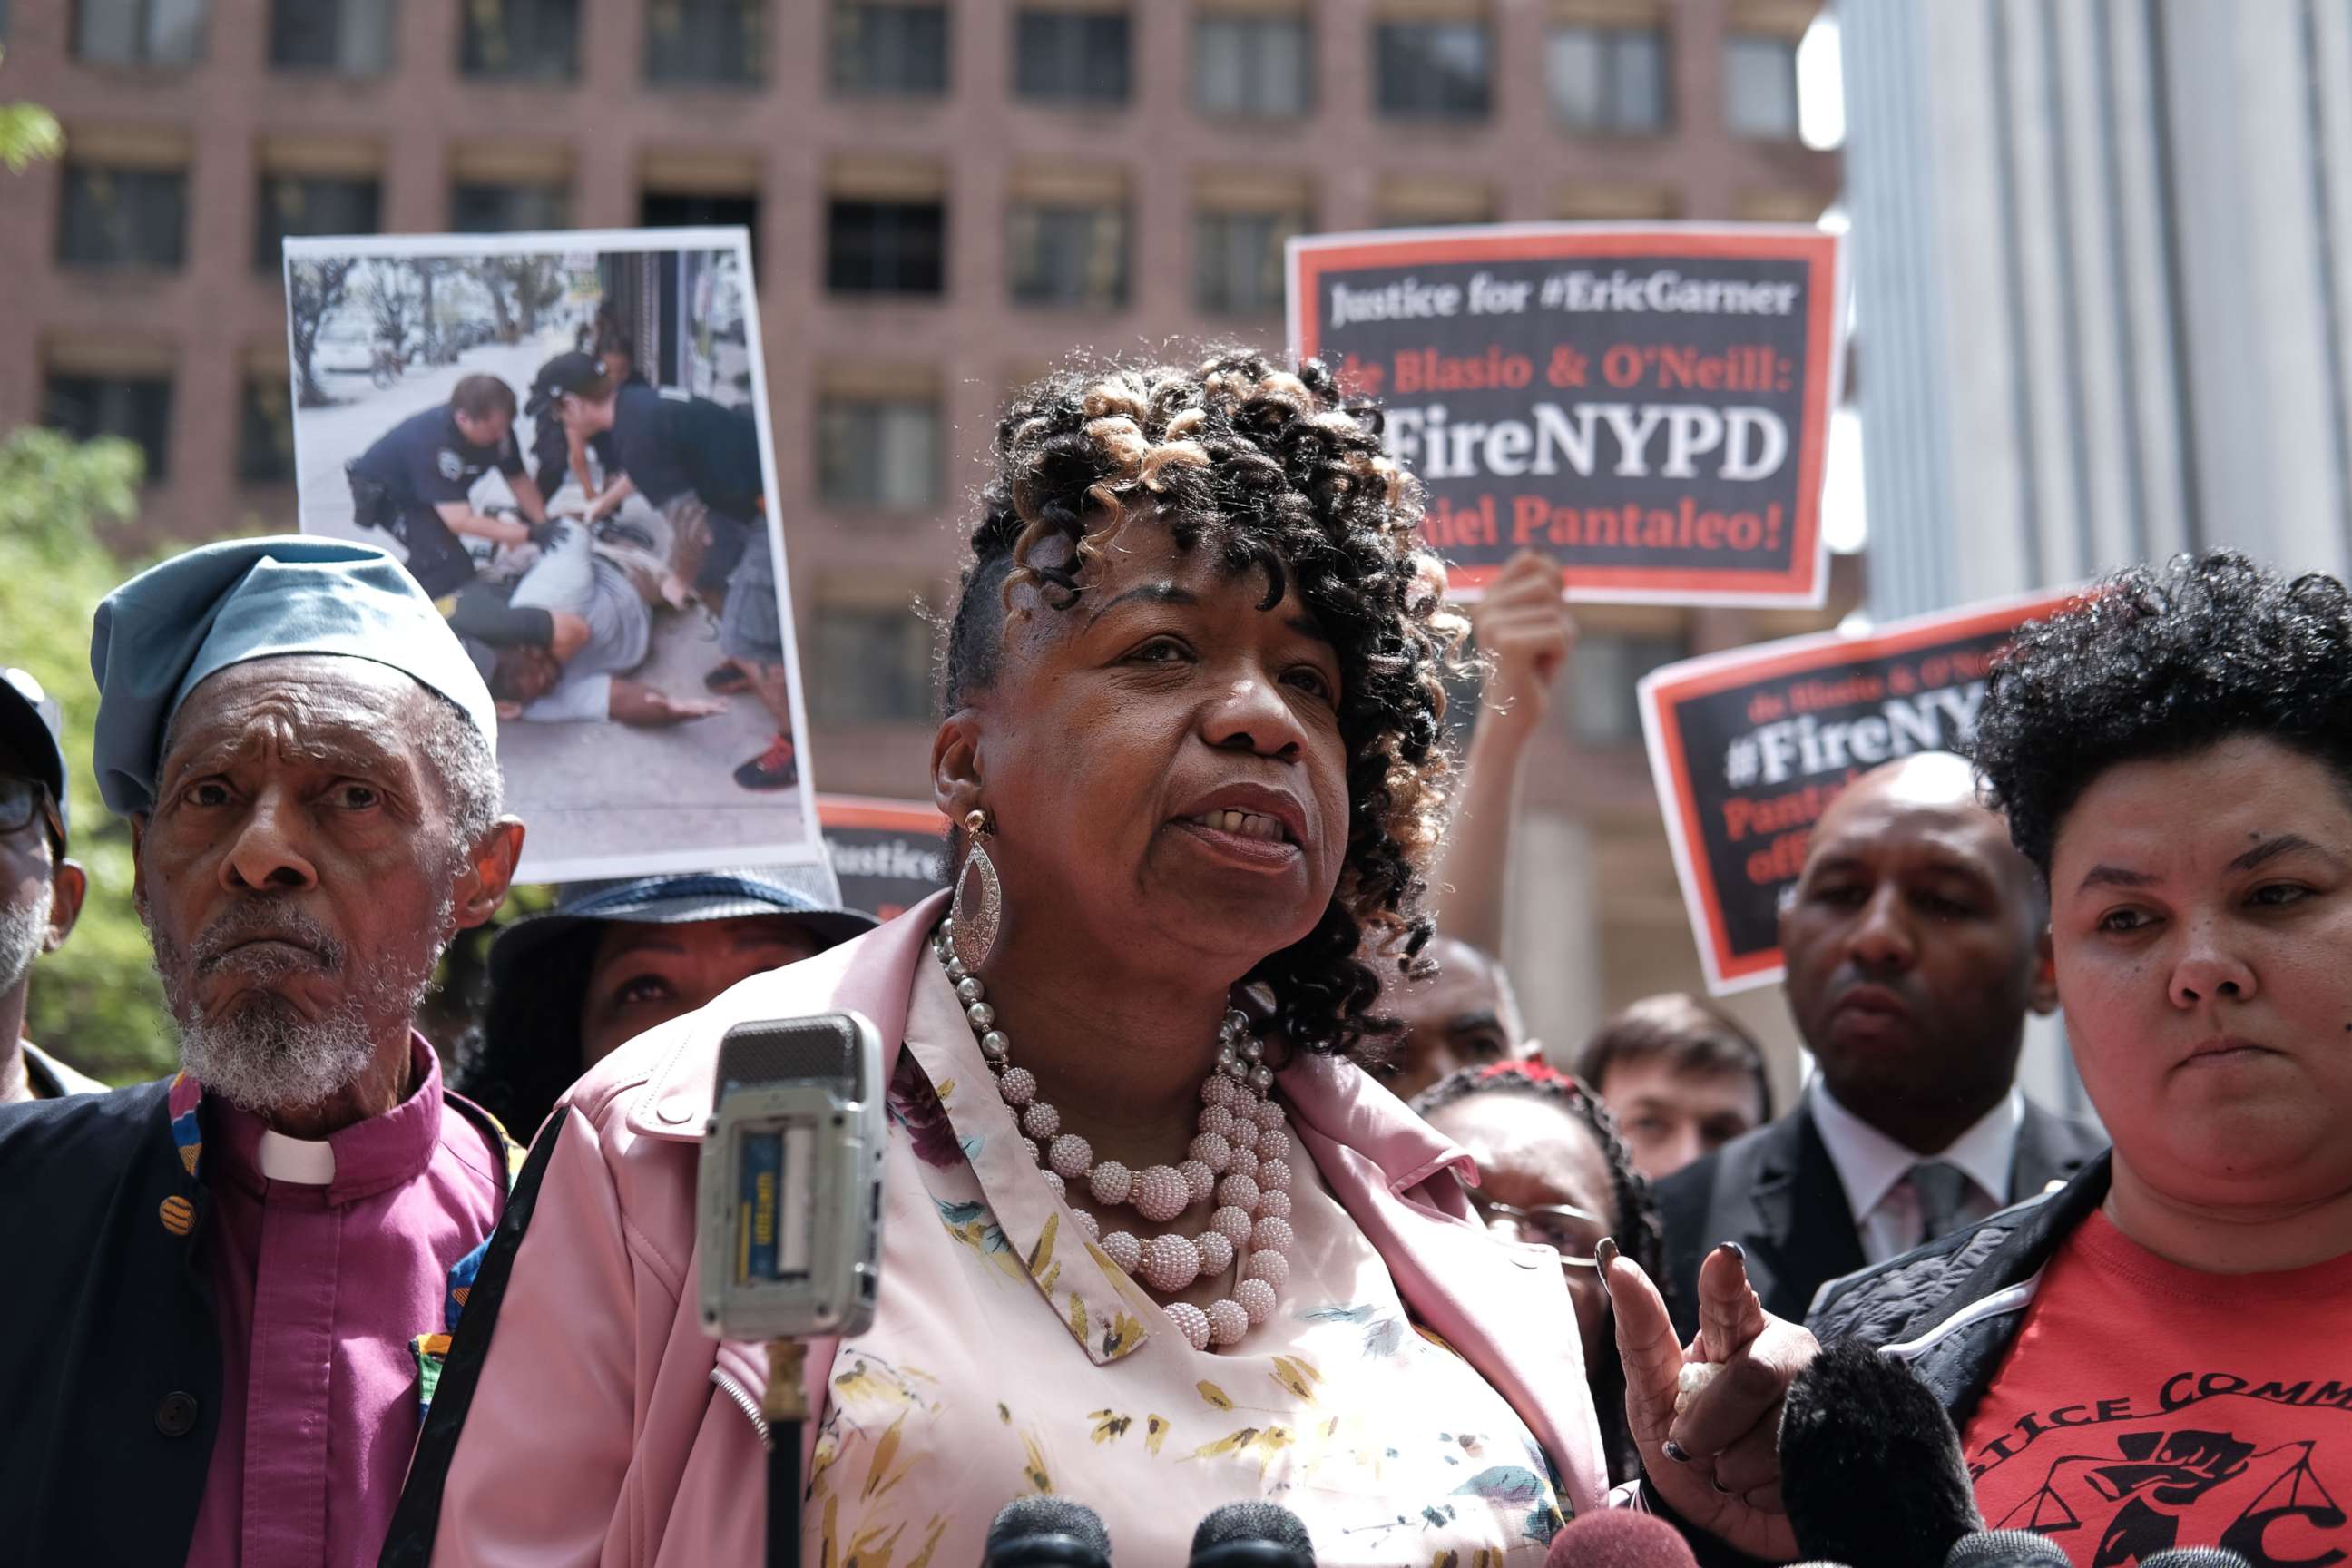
(109, 277)
(1611, 134)
(135, 70)
(886, 299)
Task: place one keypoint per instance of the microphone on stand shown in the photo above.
(1046, 1533)
(1619, 1537)
(2195, 1557)
(2006, 1549)
(1871, 1469)
(1251, 1535)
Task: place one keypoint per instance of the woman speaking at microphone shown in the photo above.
(1153, 1239)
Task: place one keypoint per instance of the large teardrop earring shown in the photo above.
(979, 904)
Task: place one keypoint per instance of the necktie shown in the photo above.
(1941, 1189)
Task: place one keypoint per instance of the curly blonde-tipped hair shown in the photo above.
(1271, 467)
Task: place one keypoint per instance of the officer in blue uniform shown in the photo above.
(553, 450)
(416, 482)
(671, 449)
(699, 463)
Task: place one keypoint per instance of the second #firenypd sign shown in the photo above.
(1648, 406)
(1748, 748)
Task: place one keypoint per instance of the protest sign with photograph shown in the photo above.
(888, 855)
(1748, 747)
(565, 437)
(1648, 406)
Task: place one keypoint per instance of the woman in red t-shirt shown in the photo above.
(2161, 1355)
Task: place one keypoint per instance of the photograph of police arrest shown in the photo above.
(561, 439)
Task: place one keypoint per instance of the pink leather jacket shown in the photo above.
(607, 1429)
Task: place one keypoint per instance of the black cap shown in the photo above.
(564, 373)
(32, 725)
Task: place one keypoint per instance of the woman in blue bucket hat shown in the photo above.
(614, 958)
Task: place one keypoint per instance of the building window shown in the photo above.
(1608, 664)
(347, 37)
(1433, 70)
(137, 408)
(885, 247)
(879, 455)
(1237, 259)
(476, 207)
(292, 204)
(1260, 67)
(1760, 86)
(1608, 78)
(1425, 202)
(873, 664)
(661, 209)
(138, 32)
(883, 48)
(122, 217)
(1070, 57)
(265, 432)
(706, 43)
(519, 40)
(1074, 256)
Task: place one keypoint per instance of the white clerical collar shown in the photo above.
(297, 1160)
(1869, 1163)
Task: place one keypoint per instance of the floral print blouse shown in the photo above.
(1019, 1360)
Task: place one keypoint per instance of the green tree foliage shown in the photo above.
(28, 131)
(95, 1002)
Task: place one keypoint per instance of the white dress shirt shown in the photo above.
(1875, 1169)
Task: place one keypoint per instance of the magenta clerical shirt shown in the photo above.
(327, 1263)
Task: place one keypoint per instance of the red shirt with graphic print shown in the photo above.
(2146, 1406)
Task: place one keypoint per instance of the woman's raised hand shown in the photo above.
(1717, 1458)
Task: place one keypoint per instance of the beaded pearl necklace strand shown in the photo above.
(1240, 1157)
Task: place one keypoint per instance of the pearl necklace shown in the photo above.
(1240, 1156)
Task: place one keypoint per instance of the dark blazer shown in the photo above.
(110, 1355)
(1776, 1193)
(110, 1363)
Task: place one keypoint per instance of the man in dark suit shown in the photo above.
(1916, 941)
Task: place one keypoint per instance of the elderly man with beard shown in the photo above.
(228, 1292)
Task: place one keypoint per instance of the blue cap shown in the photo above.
(32, 726)
(166, 629)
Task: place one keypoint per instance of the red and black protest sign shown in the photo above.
(1650, 406)
(888, 855)
(1748, 748)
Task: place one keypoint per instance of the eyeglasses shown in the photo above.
(1574, 1232)
(22, 800)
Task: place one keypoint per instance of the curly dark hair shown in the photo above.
(2156, 661)
(1639, 1233)
(1276, 471)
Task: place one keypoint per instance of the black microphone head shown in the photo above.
(1046, 1533)
(2006, 1549)
(1251, 1535)
(1871, 1471)
(1619, 1537)
(2195, 1557)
